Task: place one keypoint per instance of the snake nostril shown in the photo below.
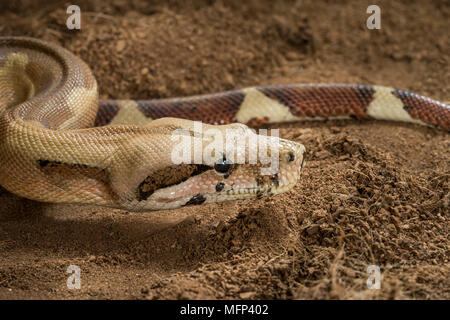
(290, 157)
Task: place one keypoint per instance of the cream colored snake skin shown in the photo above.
(59, 143)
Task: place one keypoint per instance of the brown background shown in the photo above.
(371, 192)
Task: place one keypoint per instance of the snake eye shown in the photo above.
(223, 165)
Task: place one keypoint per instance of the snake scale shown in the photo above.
(60, 143)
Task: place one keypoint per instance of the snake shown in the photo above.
(60, 143)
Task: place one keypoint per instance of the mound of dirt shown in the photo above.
(372, 193)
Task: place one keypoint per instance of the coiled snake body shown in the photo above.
(59, 143)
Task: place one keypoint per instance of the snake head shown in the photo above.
(210, 164)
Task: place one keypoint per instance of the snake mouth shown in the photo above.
(260, 191)
(238, 194)
(263, 190)
(231, 194)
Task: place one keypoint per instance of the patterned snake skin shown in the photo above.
(59, 143)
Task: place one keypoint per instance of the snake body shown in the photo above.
(60, 143)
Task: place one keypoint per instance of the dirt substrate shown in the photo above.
(372, 193)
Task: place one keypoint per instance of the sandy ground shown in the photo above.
(372, 193)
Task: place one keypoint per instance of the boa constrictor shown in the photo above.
(60, 143)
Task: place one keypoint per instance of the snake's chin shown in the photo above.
(217, 197)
